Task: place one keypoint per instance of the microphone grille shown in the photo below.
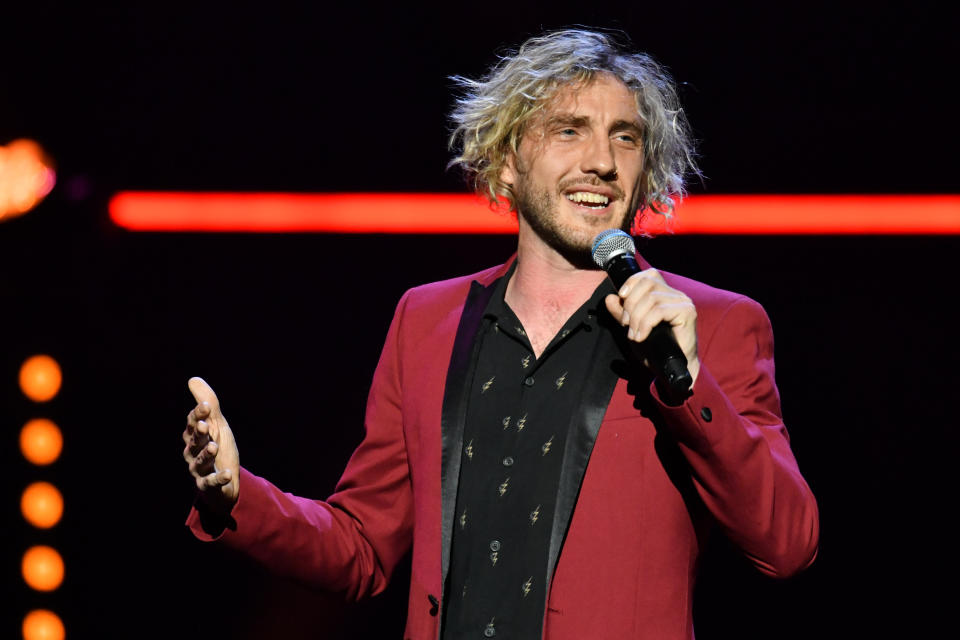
(610, 243)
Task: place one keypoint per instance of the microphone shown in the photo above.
(613, 251)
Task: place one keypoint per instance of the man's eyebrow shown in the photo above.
(573, 120)
(567, 119)
(627, 125)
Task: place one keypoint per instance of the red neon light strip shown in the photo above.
(464, 213)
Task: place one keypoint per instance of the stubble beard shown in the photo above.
(539, 209)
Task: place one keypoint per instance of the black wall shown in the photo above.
(790, 100)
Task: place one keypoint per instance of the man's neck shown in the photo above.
(546, 289)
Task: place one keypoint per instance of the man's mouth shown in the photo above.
(588, 199)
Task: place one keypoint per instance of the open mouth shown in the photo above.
(588, 199)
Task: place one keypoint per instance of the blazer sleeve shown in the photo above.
(351, 542)
(732, 434)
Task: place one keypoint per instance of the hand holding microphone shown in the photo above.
(660, 319)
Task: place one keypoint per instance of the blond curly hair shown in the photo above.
(490, 114)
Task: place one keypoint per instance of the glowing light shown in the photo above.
(293, 212)
(41, 441)
(42, 505)
(26, 177)
(41, 624)
(466, 213)
(42, 568)
(40, 378)
(816, 214)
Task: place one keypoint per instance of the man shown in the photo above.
(514, 437)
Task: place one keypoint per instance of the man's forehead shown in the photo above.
(576, 98)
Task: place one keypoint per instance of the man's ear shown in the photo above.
(508, 172)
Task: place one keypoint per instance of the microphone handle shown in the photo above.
(660, 348)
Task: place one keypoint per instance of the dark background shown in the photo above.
(787, 98)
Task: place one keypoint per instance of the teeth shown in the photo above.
(586, 196)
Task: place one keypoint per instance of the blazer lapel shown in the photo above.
(453, 414)
(582, 434)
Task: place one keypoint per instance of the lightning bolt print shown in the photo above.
(526, 586)
(546, 446)
(487, 384)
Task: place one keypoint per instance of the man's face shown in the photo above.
(577, 169)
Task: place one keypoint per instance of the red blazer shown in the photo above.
(642, 483)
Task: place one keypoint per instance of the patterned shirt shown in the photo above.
(517, 420)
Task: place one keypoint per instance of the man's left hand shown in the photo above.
(644, 301)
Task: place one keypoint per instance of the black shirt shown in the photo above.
(517, 421)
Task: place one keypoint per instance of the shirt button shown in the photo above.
(508, 461)
(490, 631)
(494, 545)
(706, 414)
(528, 381)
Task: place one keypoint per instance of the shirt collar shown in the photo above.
(497, 308)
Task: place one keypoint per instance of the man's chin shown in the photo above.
(576, 250)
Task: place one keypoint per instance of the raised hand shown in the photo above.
(210, 450)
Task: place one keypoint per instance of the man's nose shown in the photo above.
(598, 158)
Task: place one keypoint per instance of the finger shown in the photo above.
(203, 462)
(203, 393)
(215, 479)
(671, 312)
(614, 306)
(199, 412)
(640, 317)
(636, 289)
(200, 438)
(644, 280)
(640, 327)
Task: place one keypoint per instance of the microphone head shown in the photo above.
(610, 244)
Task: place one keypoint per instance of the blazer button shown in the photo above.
(706, 414)
(490, 631)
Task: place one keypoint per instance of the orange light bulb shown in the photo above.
(42, 505)
(26, 176)
(41, 624)
(42, 568)
(40, 378)
(41, 441)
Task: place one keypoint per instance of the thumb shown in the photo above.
(203, 393)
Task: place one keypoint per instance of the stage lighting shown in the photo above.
(41, 441)
(42, 568)
(41, 505)
(41, 624)
(40, 378)
(26, 177)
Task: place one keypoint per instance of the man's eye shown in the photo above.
(568, 132)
